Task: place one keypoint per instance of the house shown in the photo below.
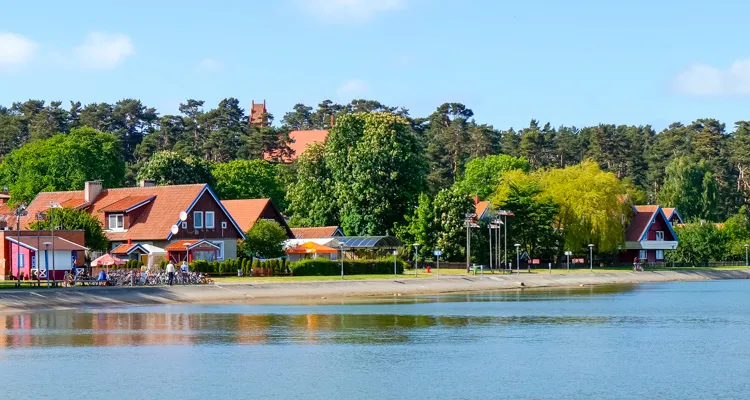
(299, 141)
(317, 232)
(147, 254)
(247, 211)
(673, 216)
(482, 209)
(150, 215)
(648, 235)
(258, 114)
(48, 253)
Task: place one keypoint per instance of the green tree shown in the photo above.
(311, 197)
(63, 162)
(691, 188)
(171, 168)
(378, 171)
(699, 243)
(450, 209)
(264, 240)
(70, 219)
(248, 179)
(483, 174)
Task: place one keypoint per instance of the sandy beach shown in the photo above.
(324, 291)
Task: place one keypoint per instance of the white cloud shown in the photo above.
(707, 80)
(353, 87)
(350, 10)
(210, 65)
(15, 49)
(103, 50)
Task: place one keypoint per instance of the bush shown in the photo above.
(200, 266)
(325, 267)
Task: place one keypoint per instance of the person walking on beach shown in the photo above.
(170, 272)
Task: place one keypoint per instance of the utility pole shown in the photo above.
(469, 220)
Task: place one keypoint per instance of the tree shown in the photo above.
(171, 168)
(448, 144)
(699, 243)
(311, 197)
(533, 224)
(63, 162)
(483, 174)
(450, 209)
(248, 179)
(590, 204)
(264, 240)
(419, 226)
(70, 219)
(377, 168)
(691, 188)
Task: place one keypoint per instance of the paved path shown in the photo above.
(296, 292)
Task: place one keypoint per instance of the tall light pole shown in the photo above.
(46, 259)
(20, 211)
(567, 254)
(469, 221)
(518, 259)
(489, 229)
(416, 258)
(341, 249)
(395, 253)
(437, 254)
(746, 246)
(591, 257)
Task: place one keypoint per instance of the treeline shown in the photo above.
(700, 167)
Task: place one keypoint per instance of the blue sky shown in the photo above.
(573, 62)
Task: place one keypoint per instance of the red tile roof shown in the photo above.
(125, 203)
(72, 203)
(641, 218)
(182, 245)
(315, 233)
(311, 248)
(247, 211)
(155, 220)
(123, 248)
(37, 243)
(481, 207)
(299, 141)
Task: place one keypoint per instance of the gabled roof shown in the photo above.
(128, 248)
(181, 245)
(247, 211)
(299, 141)
(317, 232)
(158, 214)
(127, 203)
(481, 208)
(36, 243)
(311, 248)
(672, 212)
(643, 217)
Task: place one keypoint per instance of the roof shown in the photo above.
(181, 245)
(641, 219)
(370, 242)
(126, 203)
(311, 248)
(481, 207)
(317, 232)
(37, 243)
(72, 203)
(145, 248)
(299, 141)
(155, 220)
(247, 211)
(672, 212)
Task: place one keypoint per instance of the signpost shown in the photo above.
(437, 254)
(568, 254)
(395, 253)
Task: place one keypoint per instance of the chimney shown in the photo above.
(332, 120)
(130, 241)
(147, 183)
(91, 190)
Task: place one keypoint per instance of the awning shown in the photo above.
(311, 248)
(370, 242)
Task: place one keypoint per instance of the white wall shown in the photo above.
(62, 260)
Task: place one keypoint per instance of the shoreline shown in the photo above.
(326, 291)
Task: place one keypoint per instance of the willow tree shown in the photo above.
(591, 210)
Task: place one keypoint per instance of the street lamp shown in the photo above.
(46, 260)
(395, 253)
(416, 255)
(567, 254)
(20, 212)
(746, 246)
(591, 257)
(341, 250)
(518, 259)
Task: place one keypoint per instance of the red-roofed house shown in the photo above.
(481, 208)
(258, 114)
(673, 216)
(247, 211)
(318, 232)
(649, 234)
(299, 141)
(147, 213)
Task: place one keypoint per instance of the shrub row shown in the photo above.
(230, 267)
(325, 267)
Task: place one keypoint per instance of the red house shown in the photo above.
(649, 234)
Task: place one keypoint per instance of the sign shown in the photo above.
(578, 260)
(505, 213)
(493, 226)
(33, 262)
(535, 261)
(438, 253)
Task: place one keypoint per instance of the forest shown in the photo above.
(700, 167)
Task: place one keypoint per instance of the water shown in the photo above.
(657, 341)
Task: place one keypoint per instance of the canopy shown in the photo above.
(370, 242)
(107, 260)
(311, 248)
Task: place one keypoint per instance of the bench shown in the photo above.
(87, 281)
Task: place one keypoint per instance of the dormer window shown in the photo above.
(198, 219)
(116, 222)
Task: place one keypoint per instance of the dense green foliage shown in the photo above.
(248, 179)
(70, 219)
(265, 240)
(326, 267)
(171, 168)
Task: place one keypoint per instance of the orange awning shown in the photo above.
(311, 248)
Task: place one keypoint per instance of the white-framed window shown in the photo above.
(643, 255)
(116, 221)
(221, 249)
(198, 219)
(659, 255)
(223, 224)
(210, 220)
(184, 225)
(659, 235)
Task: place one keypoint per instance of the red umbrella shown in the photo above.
(107, 260)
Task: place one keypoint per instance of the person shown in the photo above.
(102, 277)
(170, 272)
(184, 270)
(636, 263)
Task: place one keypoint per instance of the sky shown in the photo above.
(570, 62)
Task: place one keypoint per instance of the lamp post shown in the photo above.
(591, 257)
(489, 229)
(518, 259)
(469, 221)
(20, 211)
(395, 253)
(567, 254)
(416, 255)
(341, 251)
(746, 246)
(46, 259)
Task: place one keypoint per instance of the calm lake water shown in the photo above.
(654, 341)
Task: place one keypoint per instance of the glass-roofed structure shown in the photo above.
(370, 242)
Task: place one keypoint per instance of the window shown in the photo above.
(223, 224)
(643, 255)
(209, 220)
(184, 225)
(221, 249)
(659, 235)
(659, 255)
(116, 221)
(198, 219)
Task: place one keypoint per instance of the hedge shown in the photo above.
(230, 267)
(325, 267)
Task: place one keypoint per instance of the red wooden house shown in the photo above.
(649, 234)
